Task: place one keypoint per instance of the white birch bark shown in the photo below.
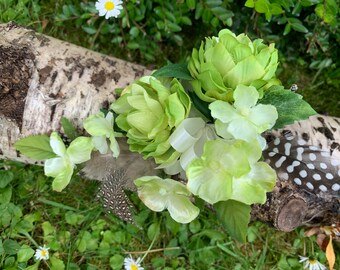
(43, 79)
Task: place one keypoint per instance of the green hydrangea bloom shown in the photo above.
(159, 194)
(230, 171)
(244, 119)
(149, 111)
(224, 62)
(61, 167)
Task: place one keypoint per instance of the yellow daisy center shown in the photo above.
(44, 253)
(109, 5)
(312, 261)
(134, 267)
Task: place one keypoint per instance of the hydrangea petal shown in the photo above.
(62, 179)
(80, 150)
(263, 116)
(242, 129)
(208, 183)
(114, 146)
(222, 130)
(223, 111)
(181, 209)
(100, 144)
(54, 166)
(260, 180)
(57, 144)
(98, 125)
(245, 97)
(158, 194)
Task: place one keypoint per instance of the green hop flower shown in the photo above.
(224, 62)
(159, 194)
(149, 111)
(61, 167)
(230, 171)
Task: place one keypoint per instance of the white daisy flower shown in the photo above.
(131, 264)
(42, 253)
(109, 8)
(311, 263)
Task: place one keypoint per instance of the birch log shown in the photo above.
(43, 79)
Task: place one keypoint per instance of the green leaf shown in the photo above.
(199, 11)
(47, 228)
(5, 194)
(235, 217)
(191, 3)
(25, 253)
(275, 9)
(179, 71)
(297, 25)
(287, 29)
(290, 106)
(116, 261)
(327, 11)
(57, 264)
(36, 147)
(69, 128)
(200, 105)
(91, 30)
(134, 31)
(133, 45)
(307, 3)
(153, 230)
(11, 247)
(34, 266)
(5, 178)
(249, 3)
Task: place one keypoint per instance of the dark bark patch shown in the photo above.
(98, 79)
(15, 74)
(44, 73)
(139, 72)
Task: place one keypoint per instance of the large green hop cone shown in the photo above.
(224, 62)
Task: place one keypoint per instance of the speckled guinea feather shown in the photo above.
(113, 196)
(117, 175)
(307, 154)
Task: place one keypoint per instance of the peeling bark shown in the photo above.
(43, 79)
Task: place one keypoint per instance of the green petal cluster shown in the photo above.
(224, 62)
(100, 127)
(159, 194)
(244, 119)
(148, 111)
(230, 171)
(61, 167)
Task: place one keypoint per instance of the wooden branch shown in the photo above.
(43, 79)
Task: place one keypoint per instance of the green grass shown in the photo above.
(80, 234)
